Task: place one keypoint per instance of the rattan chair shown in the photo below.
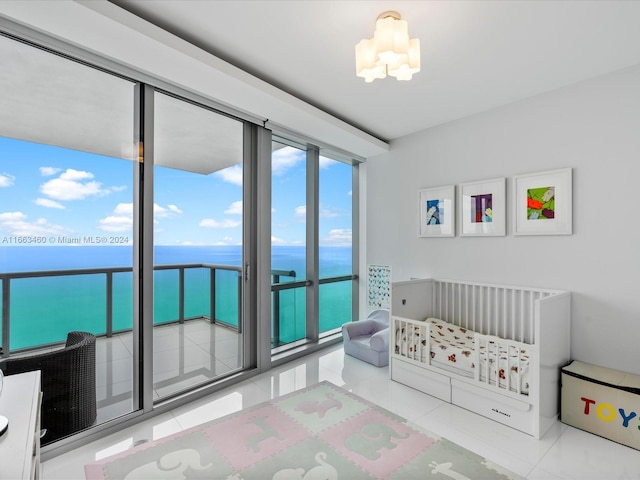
(68, 384)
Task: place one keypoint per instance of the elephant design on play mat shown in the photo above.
(371, 438)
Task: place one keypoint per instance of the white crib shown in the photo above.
(506, 348)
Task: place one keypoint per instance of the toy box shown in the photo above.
(602, 401)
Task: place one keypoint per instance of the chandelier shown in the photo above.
(389, 52)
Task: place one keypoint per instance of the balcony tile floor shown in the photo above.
(183, 355)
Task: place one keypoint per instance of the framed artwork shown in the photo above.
(543, 203)
(483, 208)
(379, 286)
(437, 212)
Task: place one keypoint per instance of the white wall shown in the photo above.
(593, 127)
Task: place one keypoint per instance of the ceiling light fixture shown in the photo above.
(389, 52)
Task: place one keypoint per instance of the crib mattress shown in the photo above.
(451, 345)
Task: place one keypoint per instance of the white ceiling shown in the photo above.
(476, 55)
(53, 101)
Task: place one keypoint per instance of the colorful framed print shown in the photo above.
(543, 203)
(437, 212)
(483, 208)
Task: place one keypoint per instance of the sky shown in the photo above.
(56, 196)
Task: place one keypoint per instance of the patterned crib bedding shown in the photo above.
(452, 348)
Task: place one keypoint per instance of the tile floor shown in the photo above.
(563, 453)
(184, 355)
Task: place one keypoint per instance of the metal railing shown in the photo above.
(108, 272)
(277, 288)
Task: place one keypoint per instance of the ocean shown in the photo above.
(44, 308)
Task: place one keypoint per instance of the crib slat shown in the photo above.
(522, 320)
(507, 373)
(466, 306)
(496, 312)
(459, 295)
(531, 317)
(446, 300)
(481, 311)
(505, 319)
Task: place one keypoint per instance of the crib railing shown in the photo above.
(503, 311)
(502, 363)
(411, 341)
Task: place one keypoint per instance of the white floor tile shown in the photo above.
(564, 453)
(582, 455)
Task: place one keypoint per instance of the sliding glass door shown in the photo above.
(72, 177)
(198, 245)
(66, 204)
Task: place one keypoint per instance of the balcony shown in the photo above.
(191, 345)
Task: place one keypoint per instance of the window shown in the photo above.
(312, 254)
(288, 244)
(335, 221)
(82, 214)
(198, 254)
(66, 190)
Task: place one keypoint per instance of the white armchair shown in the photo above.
(368, 340)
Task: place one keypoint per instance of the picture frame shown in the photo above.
(543, 203)
(437, 211)
(483, 208)
(379, 286)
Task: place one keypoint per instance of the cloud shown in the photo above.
(326, 213)
(324, 162)
(15, 223)
(6, 180)
(231, 174)
(162, 212)
(124, 209)
(277, 241)
(73, 185)
(235, 208)
(338, 237)
(116, 223)
(48, 171)
(285, 159)
(227, 241)
(227, 223)
(12, 216)
(300, 212)
(45, 202)
(121, 219)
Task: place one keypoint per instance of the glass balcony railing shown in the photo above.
(288, 303)
(39, 308)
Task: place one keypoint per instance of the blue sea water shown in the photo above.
(44, 308)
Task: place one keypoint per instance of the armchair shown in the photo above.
(368, 340)
(68, 377)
